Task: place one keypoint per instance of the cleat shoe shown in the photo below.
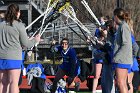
(77, 86)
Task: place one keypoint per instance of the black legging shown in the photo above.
(37, 85)
(59, 75)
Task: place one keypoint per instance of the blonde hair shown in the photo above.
(129, 21)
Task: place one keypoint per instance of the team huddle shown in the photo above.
(114, 53)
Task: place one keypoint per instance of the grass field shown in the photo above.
(28, 91)
(69, 92)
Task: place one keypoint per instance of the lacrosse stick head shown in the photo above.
(67, 10)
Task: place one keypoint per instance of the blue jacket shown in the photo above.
(36, 65)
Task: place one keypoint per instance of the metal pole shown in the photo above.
(54, 52)
(29, 15)
(118, 3)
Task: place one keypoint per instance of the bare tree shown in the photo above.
(133, 7)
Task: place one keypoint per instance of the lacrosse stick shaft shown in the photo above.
(35, 33)
(48, 11)
(45, 28)
(74, 31)
(90, 11)
(48, 4)
(36, 20)
(41, 34)
(69, 12)
(82, 13)
(43, 23)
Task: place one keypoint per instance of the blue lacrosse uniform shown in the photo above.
(135, 64)
(70, 63)
(98, 53)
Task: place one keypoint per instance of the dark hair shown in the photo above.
(120, 13)
(11, 13)
(65, 39)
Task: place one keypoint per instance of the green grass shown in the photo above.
(28, 91)
(83, 92)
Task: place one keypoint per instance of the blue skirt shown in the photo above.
(97, 61)
(123, 66)
(99, 56)
(134, 67)
(6, 64)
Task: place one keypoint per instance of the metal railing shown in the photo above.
(39, 5)
(61, 31)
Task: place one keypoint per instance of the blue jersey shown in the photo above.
(97, 33)
(98, 53)
(69, 63)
